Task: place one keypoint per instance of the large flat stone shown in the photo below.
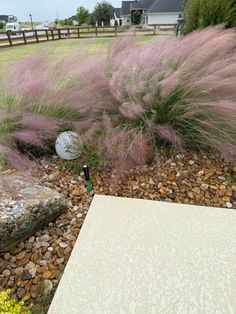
(146, 257)
(29, 209)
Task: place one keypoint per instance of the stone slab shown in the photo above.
(146, 257)
(29, 208)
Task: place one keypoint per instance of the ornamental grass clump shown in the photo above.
(129, 102)
(180, 92)
(32, 109)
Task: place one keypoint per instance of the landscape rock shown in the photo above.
(48, 285)
(6, 273)
(33, 206)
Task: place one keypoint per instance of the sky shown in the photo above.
(46, 10)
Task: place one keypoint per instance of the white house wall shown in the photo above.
(156, 18)
(126, 20)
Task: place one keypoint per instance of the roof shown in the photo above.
(4, 17)
(117, 12)
(166, 6)
(73, 17)
(142, 4)
(151, 6)
(8, 18)
(125, 7)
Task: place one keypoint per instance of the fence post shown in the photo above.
(96, 31)
(59, 33)
(52, 34)
(115, 31)
(9, 39)
(24, 37)
(68, 32)
(47, 34)
(78, 33)
(36, 35)
(155, 29)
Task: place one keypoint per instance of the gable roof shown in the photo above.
(166, 6)
(141, 4)
(151, 6)
(126, 6)
(117, 12)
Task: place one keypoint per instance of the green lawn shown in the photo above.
(59, 48)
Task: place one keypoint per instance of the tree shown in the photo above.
(92, 20)
(65, 22)
(82, 15)
(103, 11)
(136, 17)
(202, 13)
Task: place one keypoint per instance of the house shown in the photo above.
(116, 20)
(163, 12)
(149, 12)
(126, 12)
(74, 20)
(4, 19)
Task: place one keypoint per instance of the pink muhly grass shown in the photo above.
(46, 127)
(123, 149)
(28, 137)
(131, 110)
(184, 88)
(170, 135)
(169, 84)
(30, 76)
(15, 159)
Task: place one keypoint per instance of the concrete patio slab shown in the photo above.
(145, 257)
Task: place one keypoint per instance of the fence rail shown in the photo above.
(24, 37)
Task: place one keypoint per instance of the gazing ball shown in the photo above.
(68, 145)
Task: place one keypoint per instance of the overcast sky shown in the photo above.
(46, 10)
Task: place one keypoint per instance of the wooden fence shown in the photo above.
(24, 37)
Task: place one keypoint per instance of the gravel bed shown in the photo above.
(34, 267)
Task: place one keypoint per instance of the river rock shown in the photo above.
(33, 207)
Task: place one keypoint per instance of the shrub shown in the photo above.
(126, 104)
(9, 305)
(202, 13)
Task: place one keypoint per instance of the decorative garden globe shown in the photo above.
(68, 145)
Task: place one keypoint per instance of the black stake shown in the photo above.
(87, 177)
